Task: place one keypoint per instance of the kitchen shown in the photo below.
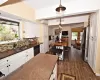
(24, 47)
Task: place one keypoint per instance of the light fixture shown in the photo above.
(60, 23)
(60, 26)
(60, 9)
(3, 1)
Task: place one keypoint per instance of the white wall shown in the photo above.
(68, 28)
(64, 28)
(72, 7)
(69, 20)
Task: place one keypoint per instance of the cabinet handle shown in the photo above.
(9, 65)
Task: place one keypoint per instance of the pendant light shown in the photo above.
(60, 26)
(60, 9)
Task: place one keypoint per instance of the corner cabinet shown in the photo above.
(13, 62)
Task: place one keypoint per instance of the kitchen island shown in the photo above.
(41, 67)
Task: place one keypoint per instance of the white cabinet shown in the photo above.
(3, 66)
(4, 69)
(13, 62)
(31, 30)
(29, 54)
(45, 46)
(54, 73)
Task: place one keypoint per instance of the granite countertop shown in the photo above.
(38, 68)
(14, 51)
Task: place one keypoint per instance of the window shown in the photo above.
(74, 35)
(9, 30)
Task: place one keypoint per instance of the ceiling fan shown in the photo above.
(8, 2)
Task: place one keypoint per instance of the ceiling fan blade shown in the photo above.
(10, 2)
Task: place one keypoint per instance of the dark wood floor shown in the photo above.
(75, 66)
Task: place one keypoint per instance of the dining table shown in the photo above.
(64, 44)
(60, 45)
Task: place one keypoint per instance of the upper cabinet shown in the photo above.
(31, 30)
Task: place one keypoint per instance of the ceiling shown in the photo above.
(9, 2)
(38, 4)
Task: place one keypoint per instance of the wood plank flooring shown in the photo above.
(75, 66)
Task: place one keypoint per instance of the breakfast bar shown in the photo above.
(41, 67)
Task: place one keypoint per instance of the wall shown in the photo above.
(98, 45)
(69, 20)
(20, 9)
(68, 28)
(78, 29)
(64, 28)
(72, 7)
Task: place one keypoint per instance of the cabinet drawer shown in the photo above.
(3, 61)
(30, 50)
(16, 56)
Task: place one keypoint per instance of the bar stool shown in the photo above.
(56, 51)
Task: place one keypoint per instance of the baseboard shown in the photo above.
(97, 74)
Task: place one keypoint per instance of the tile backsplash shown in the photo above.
(14, 45)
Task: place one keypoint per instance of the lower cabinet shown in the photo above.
(13, 62)
(54, 73)
(4, 70)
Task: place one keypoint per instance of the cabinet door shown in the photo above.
(54, 73)
(42, 48)
(4, 69)
(3, 66)
(31, 30)
(15, 61)
(46, 41)
(29, 54)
